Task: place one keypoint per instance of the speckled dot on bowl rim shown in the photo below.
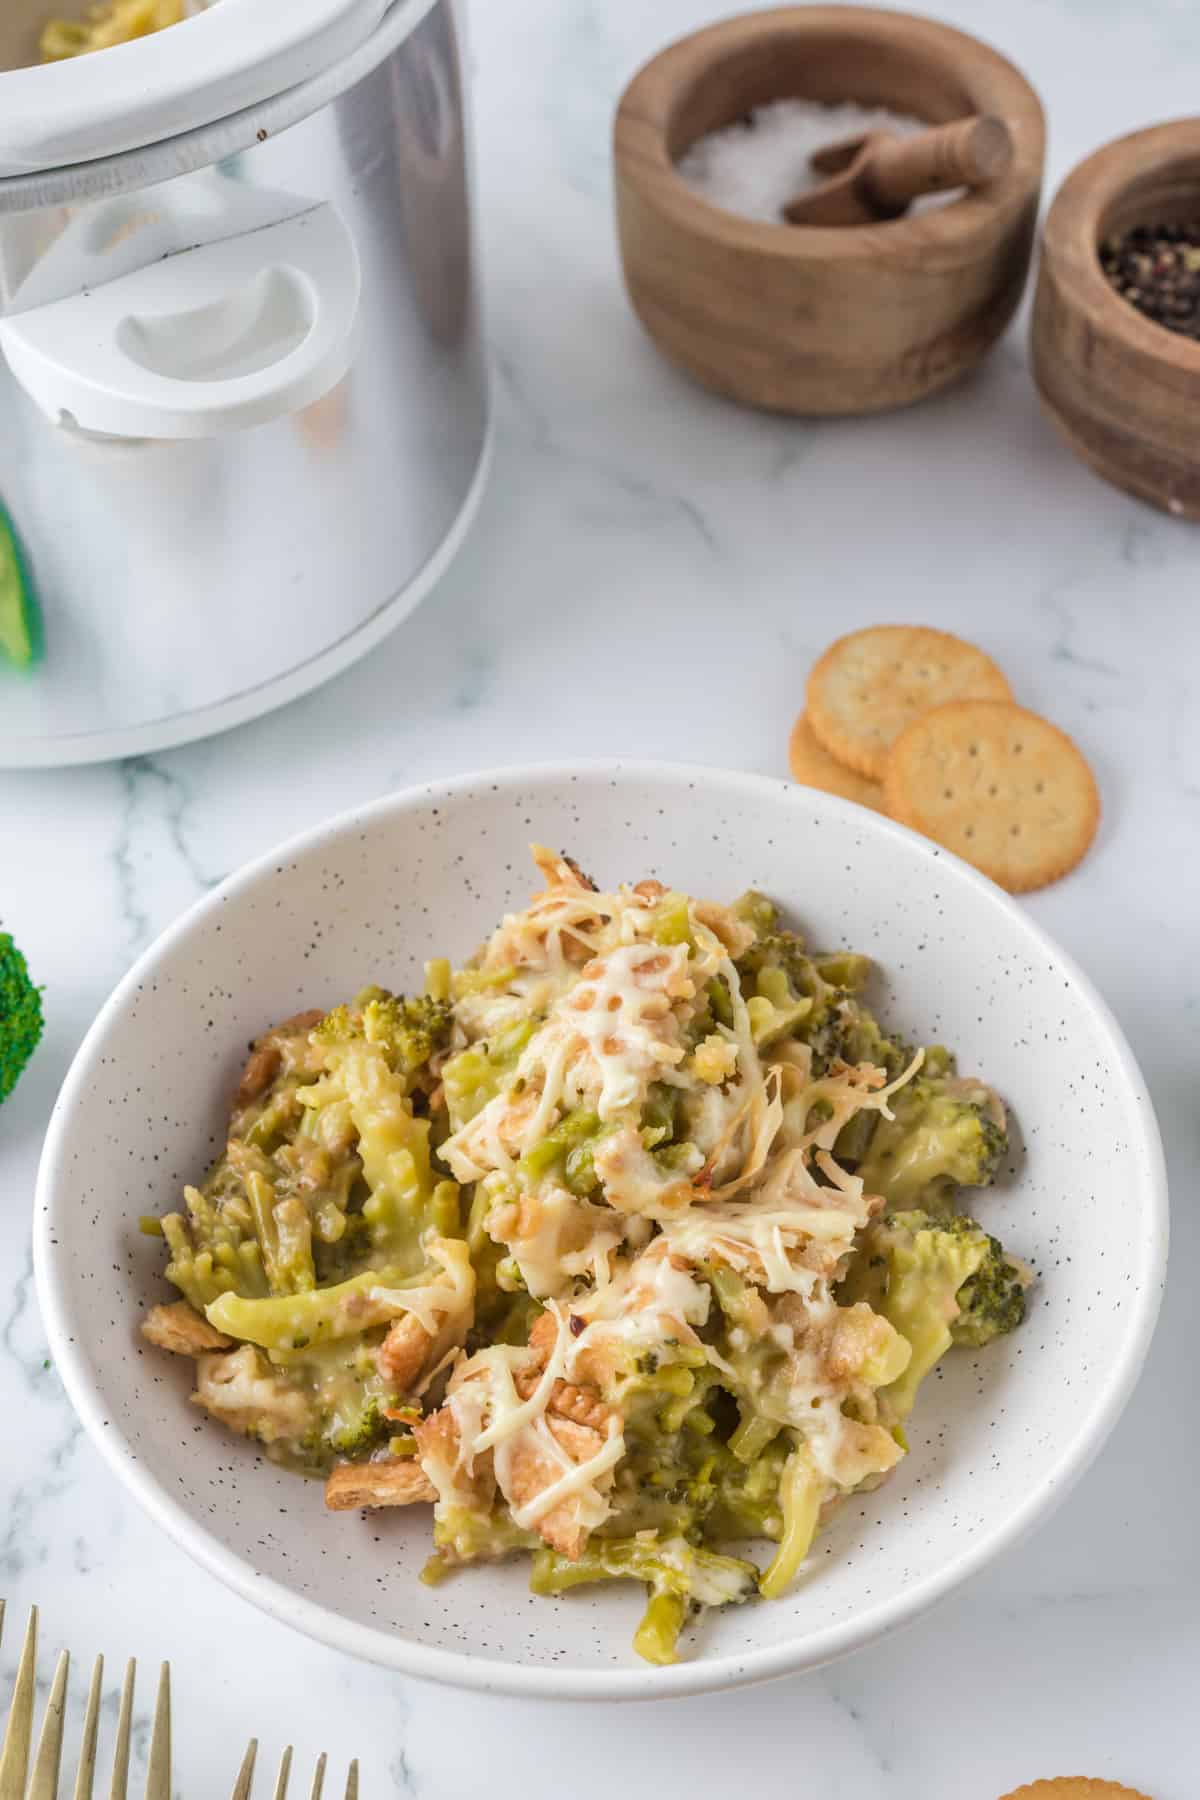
(997, 1439)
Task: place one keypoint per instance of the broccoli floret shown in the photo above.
(854, 1035)
(21, 1022)
(476, 1075)
(938, 1282)
(462, 1536)
(676, 1572)
(565, 1153)
(754, 909)
(992, 1301)
(213, 1249)
(348, 1432)
(356, 1437)
(944, 1133)
(775, 1010)
(281, 1211)
(778, 950)
(409, 1029)
(813, 996)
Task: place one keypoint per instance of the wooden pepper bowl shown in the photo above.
(1123, 391)
(822, 320)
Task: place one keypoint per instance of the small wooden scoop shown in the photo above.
(878, 176)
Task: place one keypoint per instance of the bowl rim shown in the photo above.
(705, 1674)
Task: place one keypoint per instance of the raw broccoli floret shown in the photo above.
(938, 1282)
(21, 1021)
(945, 1133)
(409, 1029)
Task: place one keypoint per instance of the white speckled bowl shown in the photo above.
(999, 1437)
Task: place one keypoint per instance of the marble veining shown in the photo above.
(651, 573)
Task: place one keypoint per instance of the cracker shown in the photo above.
(867, 687)
(1074, 1787)
(812, 766)
(400, 1481)
(997, 785)
(179, 1328)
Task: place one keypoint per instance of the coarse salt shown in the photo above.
(754, 167)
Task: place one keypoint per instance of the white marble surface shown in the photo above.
(652, 573)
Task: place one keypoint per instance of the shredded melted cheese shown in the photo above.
(625, 1265)
(509, 1414)
(438, 1300)
(491, 1416)
(578, 1481)
(620, 1013)
(608, 1037)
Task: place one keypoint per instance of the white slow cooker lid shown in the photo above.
(234, 54)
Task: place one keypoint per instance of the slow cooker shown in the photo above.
(244, 410)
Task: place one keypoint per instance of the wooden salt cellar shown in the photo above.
(823, 319)
(1123, 391)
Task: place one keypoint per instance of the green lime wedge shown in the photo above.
(20, 624)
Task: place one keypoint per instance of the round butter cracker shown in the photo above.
(1074, 1787)
(869, 686)
(812, 766)
(1001, 787)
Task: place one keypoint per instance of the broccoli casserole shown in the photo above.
(110, 22)
(626, 1246)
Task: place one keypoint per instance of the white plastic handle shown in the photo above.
(210, 340)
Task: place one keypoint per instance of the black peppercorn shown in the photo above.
(1156, 268)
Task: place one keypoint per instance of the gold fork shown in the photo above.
(47, 1760)
(245, 1780)
(17, 1782)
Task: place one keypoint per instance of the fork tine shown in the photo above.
(14, 1756)
(48, 1761)
(158, 1771)
(285, 1769)
(245, 1780)
(86, 1776)
(120, 1775)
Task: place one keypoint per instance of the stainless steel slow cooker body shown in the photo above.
(189, 582)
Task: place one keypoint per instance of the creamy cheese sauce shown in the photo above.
(653, 1160)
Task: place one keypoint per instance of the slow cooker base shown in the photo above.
(50, 693)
